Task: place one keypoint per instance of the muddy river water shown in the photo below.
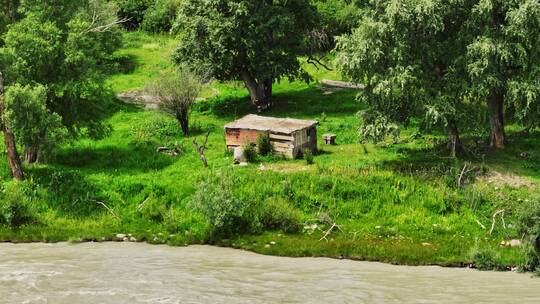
(140, 273)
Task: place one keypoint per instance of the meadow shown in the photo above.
(406, 202)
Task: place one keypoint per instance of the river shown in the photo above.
(141, 273)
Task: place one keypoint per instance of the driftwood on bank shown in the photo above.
(494, 220)
(200, 149)
(108, 209)
(327, 232)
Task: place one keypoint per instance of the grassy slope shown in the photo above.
(396, 203)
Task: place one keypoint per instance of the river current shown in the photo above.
(141, 273)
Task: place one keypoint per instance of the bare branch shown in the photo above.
(315, 62)
(494, 219)
(200, 149)
(104, 28)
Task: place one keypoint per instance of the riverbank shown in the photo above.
(139, 273)
(404, 203)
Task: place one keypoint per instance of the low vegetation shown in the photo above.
(440, 190)
(405, 202)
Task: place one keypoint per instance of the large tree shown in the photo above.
(255, 41)
(65, 47)
(443, 60)
(503, 61)
(410, 55)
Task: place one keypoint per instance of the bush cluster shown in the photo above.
(15, 207)
(154, 16)
(529, 227)
(264, 145)
(228, 213)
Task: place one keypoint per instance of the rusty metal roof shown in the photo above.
(272, 124)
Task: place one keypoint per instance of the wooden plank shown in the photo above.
(281, 137)
(282, 145)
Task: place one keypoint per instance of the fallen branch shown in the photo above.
(494, 219)
(200, 149)
(141, 205)
(481, 225)
(330, 231)
(108, 209)
(461, 175)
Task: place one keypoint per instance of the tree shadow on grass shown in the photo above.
(305, 103)
(67, 191)
(520, 157)
(113, 159)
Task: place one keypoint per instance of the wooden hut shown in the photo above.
(288, 136)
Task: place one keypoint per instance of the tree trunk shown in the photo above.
(454, 142)
(31, 155)
(9, 139)
(183, 119)
(497, 136)
(260, 93)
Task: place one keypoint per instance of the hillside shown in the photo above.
(406, 202)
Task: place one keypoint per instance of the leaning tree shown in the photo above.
(255, 41)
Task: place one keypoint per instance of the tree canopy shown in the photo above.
(63, 47)
(255, 41)
(444, 61)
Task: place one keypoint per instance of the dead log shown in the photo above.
(327, 232)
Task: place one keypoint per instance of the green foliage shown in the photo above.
(215, 199)
(159, 17)
(8, 14)
(278, 213)
(153, 209)
(440, 61)
(134, 11)
(64, 47)
(487, 259)
(176, 92)
(264, 146)
(529, 227)
(250, 152)
(34, 126)
(15, 207)
(308, 156)
(255, 41)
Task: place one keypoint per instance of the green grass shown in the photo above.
(396, 203)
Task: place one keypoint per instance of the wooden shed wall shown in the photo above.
(290, 145)
(239, 137)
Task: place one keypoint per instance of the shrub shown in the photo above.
(37, 129)
(264, 145)
(529, 227)
(176, 91)
(249, 152)
(160, 16)
(15, 207)
(278, 213)
(487, 259)
(308, 156)
(153, 209)
(216, 201)
(133, 10)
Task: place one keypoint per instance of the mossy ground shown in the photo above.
(396, 203)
